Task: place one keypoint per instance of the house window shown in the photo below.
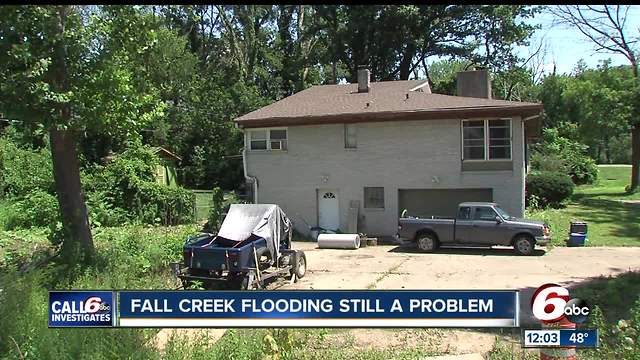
(268, 139)
(499, 139)
(374, 197)
(350, 136)
(473, 140)
(486, 139)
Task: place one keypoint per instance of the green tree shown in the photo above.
(607, 28)
(75, 69)
(600, 98)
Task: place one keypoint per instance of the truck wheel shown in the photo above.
(523, 245)
(299, 264)
(427, 243)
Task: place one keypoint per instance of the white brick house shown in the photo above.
(334, 153)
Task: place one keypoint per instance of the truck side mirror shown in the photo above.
(498, 219)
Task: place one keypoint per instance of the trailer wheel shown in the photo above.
(249, 281)
(299, 264)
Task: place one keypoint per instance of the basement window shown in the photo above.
(268, 140)
(374, 198)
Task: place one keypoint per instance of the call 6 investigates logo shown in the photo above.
(81, 309)
(550, 303)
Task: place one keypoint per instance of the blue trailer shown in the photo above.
(252, 246)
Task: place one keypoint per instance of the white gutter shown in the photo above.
(252, 179)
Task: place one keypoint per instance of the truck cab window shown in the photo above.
(464, 213)
(485, 213)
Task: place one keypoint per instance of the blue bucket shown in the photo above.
(577, 239)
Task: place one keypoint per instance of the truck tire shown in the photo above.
(427, 242)
(299, 267)
(524, 245)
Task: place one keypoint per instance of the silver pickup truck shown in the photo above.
(477, 224)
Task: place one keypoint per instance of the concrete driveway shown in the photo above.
(403, 267)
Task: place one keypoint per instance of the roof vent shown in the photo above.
(364, 79)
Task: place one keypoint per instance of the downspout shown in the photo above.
(251, 179)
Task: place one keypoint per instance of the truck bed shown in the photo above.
(442, 226)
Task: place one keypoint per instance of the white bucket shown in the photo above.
(338, 241)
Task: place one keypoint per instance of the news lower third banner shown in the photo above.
(319, 308)
(301, 308)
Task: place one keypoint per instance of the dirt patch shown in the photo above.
(436, 340)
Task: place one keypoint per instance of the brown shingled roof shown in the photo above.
(385, 101)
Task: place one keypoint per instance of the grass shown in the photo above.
(611, 222)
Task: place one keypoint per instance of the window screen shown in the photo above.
(374, 197)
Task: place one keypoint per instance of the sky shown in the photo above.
(566, 46)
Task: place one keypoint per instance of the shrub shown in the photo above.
(548, 188)
(36, 209)
(125, 190)
(546, 156)
(156, 203)
(24, 170)
(548, 162)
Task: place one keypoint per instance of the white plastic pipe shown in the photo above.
(338, 241)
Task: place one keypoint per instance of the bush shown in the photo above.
(554, 148)
(156, 203)
(548, 188)
(548, 162)
(36, 209)
(125, 190)
(582, 169)
(24, 170)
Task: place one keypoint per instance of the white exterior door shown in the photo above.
(328, 209)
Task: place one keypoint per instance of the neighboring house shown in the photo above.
(334, 154)
(166, 171)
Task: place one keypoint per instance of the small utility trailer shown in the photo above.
(252, 246)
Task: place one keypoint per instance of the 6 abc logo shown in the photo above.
(95, 304)
(550, 303)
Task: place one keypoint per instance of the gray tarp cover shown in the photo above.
(264, 220)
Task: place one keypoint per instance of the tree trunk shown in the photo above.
(635, 157)
(78, 243)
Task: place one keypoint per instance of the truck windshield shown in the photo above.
(504, 214)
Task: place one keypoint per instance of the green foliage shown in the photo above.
(552, 162)
(127, 257)
(549, 188)
(619, 340)
(555, 149)
(24, 170)
(126, 188)
(38, 208)
(163, 204)
(594, 107)
(218, 205)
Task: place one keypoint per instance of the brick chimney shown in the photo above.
(475, 83)
(364, 79)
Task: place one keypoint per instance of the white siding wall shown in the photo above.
(395, 155)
